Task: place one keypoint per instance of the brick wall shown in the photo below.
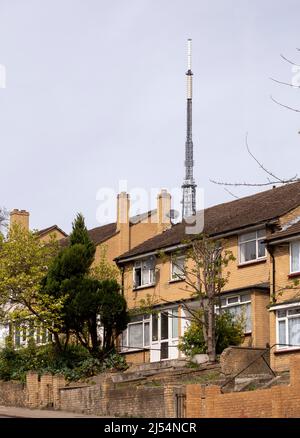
(235, 359)
(12, 394)
(120, 400)
(276, 402)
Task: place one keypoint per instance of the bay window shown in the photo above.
(295, 256)
(288, 327)
(240, 307)
(251, 246)
(137, 334)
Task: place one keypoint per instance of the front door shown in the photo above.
(164, 335)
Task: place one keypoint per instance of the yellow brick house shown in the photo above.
(117, 237)
(284, 310)
(246, 225)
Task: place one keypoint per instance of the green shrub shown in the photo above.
(74, 363)
(228, 332)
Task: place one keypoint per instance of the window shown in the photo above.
(137, 334)
(240, 307)
(35, 330)
(174, 313)
(288, 327)
(144, 272)
(295, 257)
(251, 246)
(177, 268)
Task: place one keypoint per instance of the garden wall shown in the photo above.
(277, 402)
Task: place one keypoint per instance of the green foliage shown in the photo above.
(24, 262)
(104, 270)
(87, 294)
(74, 363)
(229, 332)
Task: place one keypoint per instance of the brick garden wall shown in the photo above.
(234, 359)
(100, 397)
(105, 398)
(12, 394)
(276, 402)
(120, 400)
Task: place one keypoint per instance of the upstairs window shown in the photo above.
(295, 256)
(240, 307)
(251, 246)
(177, 268)
(143, 272)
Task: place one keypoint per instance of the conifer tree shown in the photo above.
(88, 301)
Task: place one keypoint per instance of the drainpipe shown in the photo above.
(122, 279)
(273, 293)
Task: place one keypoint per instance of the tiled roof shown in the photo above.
(229, 217)
(48, 229)
(104, 232)
(98, 234)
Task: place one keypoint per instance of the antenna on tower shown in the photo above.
(189, 54)
(189, 186)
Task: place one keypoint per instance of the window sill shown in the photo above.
(294, 275)
(146, 286)
(287, 350)
(135, 350)
(176, 280)
(252, 262)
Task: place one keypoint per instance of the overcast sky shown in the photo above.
(95, 93)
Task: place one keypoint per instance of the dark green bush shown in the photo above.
(75, 363)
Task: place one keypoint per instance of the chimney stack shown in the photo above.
(20, 217)
(163, 211)
(123, 207)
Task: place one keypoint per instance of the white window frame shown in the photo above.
(257, 239)
(143, 322)
(139, 264)
(37, 334)
(286, 318)
(176, 278)
(235, 304)
(291, 264)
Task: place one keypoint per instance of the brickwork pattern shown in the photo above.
(276, 402)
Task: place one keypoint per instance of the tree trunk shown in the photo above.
(211, 338)
(93, 334)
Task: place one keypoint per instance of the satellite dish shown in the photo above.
(173, 214)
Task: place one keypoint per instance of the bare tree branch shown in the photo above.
(275, 181)
(284, 106)
(230, 193)
(260, 164)
(285, 83)
(289, 61)
(236, 184)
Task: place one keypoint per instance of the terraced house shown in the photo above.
(110, 240)
(263, 233)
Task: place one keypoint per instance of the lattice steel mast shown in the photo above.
(189, 186)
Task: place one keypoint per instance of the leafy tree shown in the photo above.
(24, 262)
(229, 332)
(203, 273)
(103, 270)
